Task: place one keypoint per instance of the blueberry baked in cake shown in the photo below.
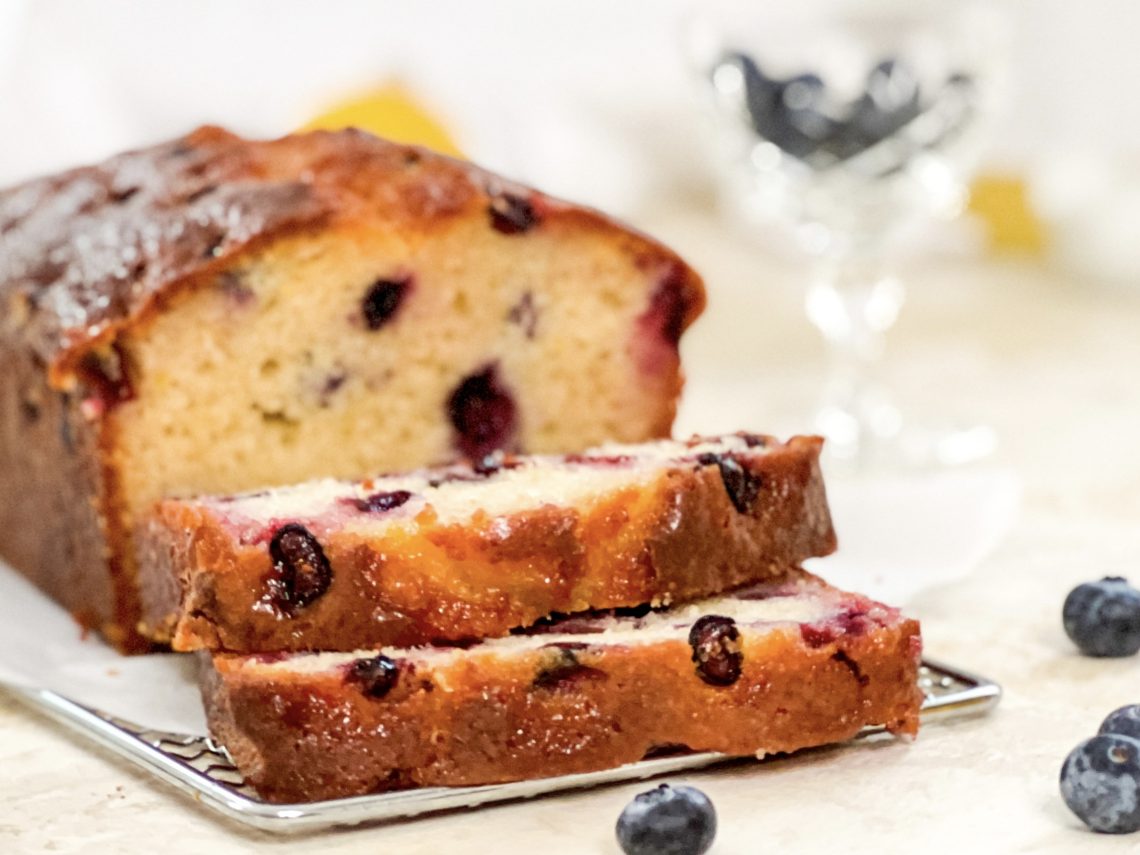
(774, 667)
(470, 551)
(214, 314)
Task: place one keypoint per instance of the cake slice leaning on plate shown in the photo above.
(465, 551)
(774, 667)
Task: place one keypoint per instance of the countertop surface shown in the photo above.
(1048, 361)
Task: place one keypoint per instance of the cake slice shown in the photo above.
(470, 551)
(769, 668)
(216, 314)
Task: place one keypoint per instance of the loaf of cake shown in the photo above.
(470, 551)
(215, 315)
(769, 668)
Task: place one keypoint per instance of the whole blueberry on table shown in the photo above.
(1103, 618)
(667, 821)
(1100, 782)
(1123, 722)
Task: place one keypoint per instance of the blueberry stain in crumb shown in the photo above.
(742, 485)
(376, 676)
(818, 635)
(379, 503)
(483, 414)
(330, 387)
(495, 462)
(511, 214)
(564, 671)
(382, 300)
(752, 440)
(668, 309)
(524, 314)
(123, 195)
(106, 377)
(599, 460)
(234, 285)
(30, 410)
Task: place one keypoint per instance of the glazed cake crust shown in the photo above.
(673, 537)
(305, 732)
(90, 259)
(91, 251)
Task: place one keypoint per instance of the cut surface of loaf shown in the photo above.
(774, 667)
(471, 551)
(215, 314)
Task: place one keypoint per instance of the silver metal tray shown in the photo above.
(201, 768)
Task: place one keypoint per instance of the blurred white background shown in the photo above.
(587, 99)
(542, 91)
(79, 80)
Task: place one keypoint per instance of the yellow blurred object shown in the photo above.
(1002, 203)
(390, 112)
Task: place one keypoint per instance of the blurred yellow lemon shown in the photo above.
(1003, 205)
(391, 112)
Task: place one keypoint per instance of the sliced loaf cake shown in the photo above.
(769, 668)
(215, 314)
(470, 551)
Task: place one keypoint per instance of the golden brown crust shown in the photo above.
(678, 539)
(300, 736)
(89, 252)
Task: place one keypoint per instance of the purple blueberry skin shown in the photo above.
(741, 484)
(493, 463)
(1123, 722)
(1100, 782)
(525, 314)
(566, 672)
(1103, 618)
(383, 300)
(376, 676)
(483, 413)
(301, 571)
(712, 638)
(379, 503)
(512, 215)
(667, 821)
